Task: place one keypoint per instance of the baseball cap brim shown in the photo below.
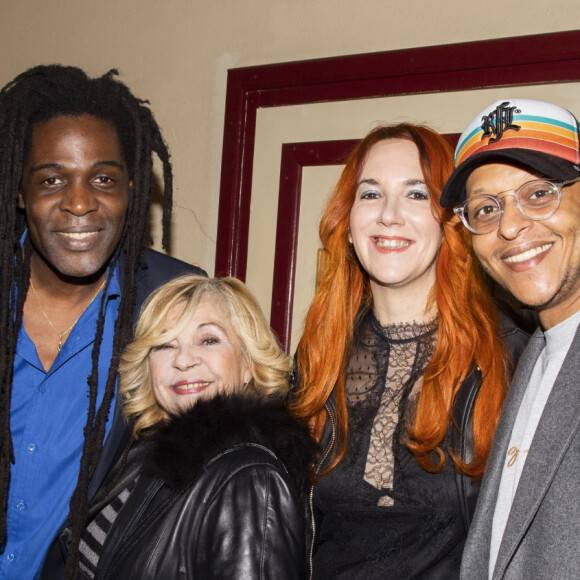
(544, 164)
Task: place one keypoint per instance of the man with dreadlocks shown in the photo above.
(76, 175)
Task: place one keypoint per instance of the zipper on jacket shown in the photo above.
(318, 466)
(135, 528)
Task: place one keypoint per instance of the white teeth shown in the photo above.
(191, 385)
(529, 254)
(391, 244)
(78, 235)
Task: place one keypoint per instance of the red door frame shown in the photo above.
(542, 58)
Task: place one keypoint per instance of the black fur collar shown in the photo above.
(178, 450)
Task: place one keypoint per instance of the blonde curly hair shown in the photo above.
(269, 365)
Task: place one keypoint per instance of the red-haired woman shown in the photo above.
(403, 367)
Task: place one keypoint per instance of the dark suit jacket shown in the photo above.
(156, 270)
(542, 531)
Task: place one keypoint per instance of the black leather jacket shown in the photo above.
(219, 495)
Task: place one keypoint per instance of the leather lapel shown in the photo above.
(476, 556)
(556, 429)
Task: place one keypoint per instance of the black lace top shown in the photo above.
(382, 515)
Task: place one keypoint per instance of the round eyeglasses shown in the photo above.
(537, 200)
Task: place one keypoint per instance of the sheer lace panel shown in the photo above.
(384, 372)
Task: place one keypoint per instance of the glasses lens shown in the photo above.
(539, 198)
(482, 213)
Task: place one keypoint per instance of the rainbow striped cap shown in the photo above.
(540, 136)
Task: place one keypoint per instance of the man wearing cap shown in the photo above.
(516, 188)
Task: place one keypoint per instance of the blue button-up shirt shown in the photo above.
(47, 417)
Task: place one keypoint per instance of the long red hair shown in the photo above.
(468, 331)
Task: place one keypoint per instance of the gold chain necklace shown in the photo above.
(61, 335)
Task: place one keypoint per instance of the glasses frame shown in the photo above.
(558, 185)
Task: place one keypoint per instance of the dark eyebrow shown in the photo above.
(369, 181)
(46, 166)
(111, 163)
(98, 164)
(415, 182)
(372, 181)
(478, 191)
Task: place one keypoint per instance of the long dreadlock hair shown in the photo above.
(40, 94)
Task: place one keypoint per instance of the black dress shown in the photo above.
(379, 514)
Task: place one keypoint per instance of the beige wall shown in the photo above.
(176, 53)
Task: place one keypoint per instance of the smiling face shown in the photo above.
(75, 192)
(392, 228)
(537, 261)
(204, 360)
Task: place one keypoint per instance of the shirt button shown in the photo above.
(20, 505)
(42, 389)
(10, 557)
(31, 447)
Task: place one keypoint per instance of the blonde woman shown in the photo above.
(213, 486)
